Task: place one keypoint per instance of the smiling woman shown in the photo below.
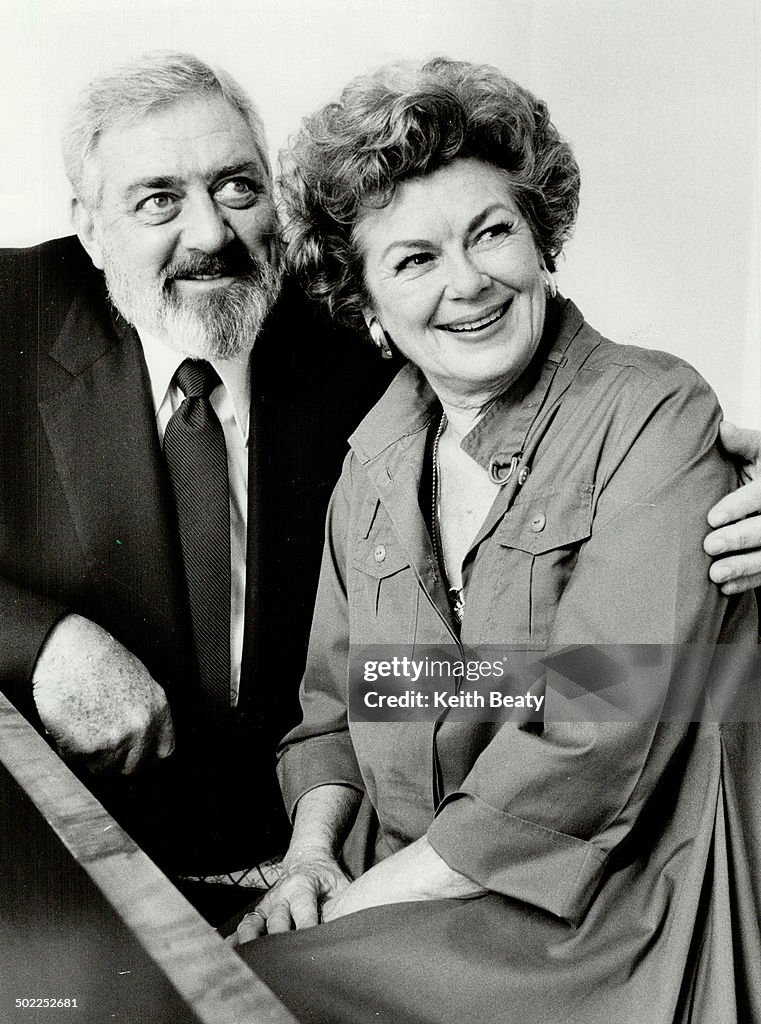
(456, 279)
(523, 482)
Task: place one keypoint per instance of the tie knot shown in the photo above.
(196, 378)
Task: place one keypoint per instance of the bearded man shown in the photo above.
(163, 483)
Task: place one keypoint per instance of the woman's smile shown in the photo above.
(477, 324)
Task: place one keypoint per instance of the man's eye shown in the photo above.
(237, 192)
(415, 259)
(157, 202)
(159, 206)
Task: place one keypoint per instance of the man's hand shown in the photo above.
(307, 881)
(733, 533)
(97, 700)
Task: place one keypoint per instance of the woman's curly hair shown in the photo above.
(404, 121)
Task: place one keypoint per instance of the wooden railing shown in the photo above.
(86, 916)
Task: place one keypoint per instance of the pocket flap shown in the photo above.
(379, 552)
(549, 519)
(380, 555)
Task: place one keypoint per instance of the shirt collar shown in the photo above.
(163, 361)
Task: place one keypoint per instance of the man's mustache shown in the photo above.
(233, 261)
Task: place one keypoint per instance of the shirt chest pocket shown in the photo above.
(536, 546)
(382, 585)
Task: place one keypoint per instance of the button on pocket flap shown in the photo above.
(380, 555)
(546, 520)
(378, 551)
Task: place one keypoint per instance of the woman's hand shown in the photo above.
(307, 880)
(310, 873)
(415, 873)
(737, 525)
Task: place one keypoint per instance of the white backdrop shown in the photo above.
(659, 99)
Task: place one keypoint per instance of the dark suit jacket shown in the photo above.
(86, 525)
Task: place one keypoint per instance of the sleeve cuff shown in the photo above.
(315, 762)
(30, 620)
(516, 857)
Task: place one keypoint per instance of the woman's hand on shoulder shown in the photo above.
(308, 878)
(735, 541)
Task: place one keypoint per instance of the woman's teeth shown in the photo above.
(477, 325)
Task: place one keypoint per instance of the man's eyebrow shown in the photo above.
(146, 184)
(248, 167)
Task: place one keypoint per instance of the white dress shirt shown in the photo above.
(231, 402)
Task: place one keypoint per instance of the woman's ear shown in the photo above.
(84, 225)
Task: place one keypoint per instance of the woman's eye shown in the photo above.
(415, 259)
(495, 232)
(237, 192)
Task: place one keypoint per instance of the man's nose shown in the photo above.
(204, 227)
(465, 280)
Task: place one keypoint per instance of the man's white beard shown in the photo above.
(220, 324)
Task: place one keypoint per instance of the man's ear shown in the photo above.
(84, 225)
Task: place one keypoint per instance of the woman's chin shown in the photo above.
(484, 367)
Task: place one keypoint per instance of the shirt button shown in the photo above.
(523, 475)
(539, 522)
(380, 553)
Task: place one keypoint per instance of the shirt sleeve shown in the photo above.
(328, 756)
(544, 805)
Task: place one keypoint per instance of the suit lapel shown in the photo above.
(100, 426)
